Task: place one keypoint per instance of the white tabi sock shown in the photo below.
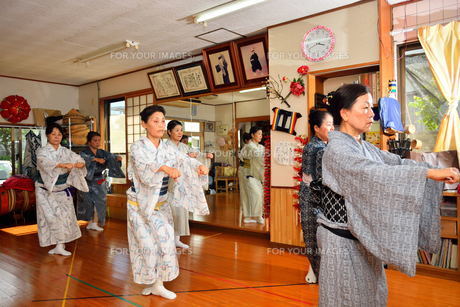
(180, 244)
(311, 277)
(158, 289)
(59, 250)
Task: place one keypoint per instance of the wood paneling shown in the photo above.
(284, 220)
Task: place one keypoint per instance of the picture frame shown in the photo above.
(209, 127)
(222, 69)
(192, 79)
(164, 84)
(253, 58)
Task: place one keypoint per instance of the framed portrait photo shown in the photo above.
(252, 54)
(209, 127)
(220, 64)
(192, 79)
(164, 84)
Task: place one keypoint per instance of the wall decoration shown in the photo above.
(222, 130)
(298, 150)
(284, 120)
(192, 79)
(296, 86)
(252, 53)
(267, 176)
(284, 152)
(221, 66)
(164, 84)
(209, 127)
(15, 108)
(318, 43)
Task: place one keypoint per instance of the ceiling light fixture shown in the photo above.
(223, 9)
(262, 88)
(106, 51)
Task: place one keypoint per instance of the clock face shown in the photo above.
(318, 43)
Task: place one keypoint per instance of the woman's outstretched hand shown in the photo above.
(448, 175)
(173, 173)
(203, 170)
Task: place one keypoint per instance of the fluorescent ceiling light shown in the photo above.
(106, 51)
(393, 2)
(262, 88)
(223, 9)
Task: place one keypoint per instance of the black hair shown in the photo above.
(316, 118)
(254, 130)
(344, 98)
(90, 135)
(184, 137)
(50, 128)
(172, 124)
(246, 137)
(148, 111)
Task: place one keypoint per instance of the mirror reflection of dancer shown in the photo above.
(59, 168)
(253, 152)
(244, 171)
(151, 165)
(222, 66)
(390, 208)
(255, 63)
(92, 206)
(321, 123)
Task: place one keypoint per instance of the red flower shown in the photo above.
(14, 108)
(297, 89)
(284, 79)
(303, 70)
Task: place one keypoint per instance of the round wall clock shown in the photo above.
(318, 43)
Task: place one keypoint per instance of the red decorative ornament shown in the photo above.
(297, 88)
(303, 70)
(14, 109)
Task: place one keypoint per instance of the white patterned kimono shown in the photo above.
(150, 229)
(254, 153)
(55, 210)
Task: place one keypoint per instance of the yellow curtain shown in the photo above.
(442, 48)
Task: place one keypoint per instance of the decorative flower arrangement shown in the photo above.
(14, 108)
(296, 86)
(302, 141)
(267, 176)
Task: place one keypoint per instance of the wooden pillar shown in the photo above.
(386, 55)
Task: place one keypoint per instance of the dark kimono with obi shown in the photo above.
(311, 170)
(96, 177)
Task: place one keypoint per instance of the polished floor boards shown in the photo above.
(224, 211)
(220, 269)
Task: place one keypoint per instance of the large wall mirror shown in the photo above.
(217, 124)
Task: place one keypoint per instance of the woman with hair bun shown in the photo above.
(321, 122)
(388, 208)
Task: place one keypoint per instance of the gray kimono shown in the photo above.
(97, 195)
(392, 210)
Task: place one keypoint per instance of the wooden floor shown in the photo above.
(221, 269)
(224, 211)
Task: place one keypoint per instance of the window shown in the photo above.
(422, 103)
(116, 131)
(12, 149)
(195, 133)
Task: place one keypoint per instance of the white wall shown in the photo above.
(253, 108)
(357, 42)
(88, 100)
(40, 95)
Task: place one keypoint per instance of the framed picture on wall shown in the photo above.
(252, 54)
(221, 66)
(192, 79)
(164, 84)
(209, 127)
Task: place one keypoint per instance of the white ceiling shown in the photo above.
(41, 38)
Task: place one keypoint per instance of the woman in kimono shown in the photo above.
(59, 168)
(92, 206)
(321, 123)
(180, 214)
(243, 172)
(253, 153)
(389, 207)
(152, 163)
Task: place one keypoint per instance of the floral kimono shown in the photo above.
(55, 210)
(150, 224)
(97, 195)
